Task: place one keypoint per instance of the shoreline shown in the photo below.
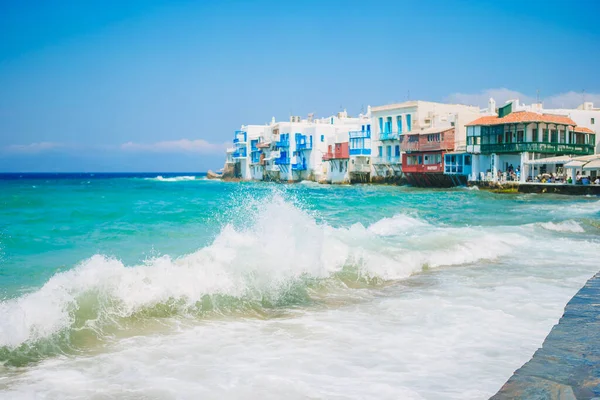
(567, 366)
(496, 187)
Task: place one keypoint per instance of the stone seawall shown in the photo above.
(560, 189)
(568, 364)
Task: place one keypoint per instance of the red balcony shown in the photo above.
(428, 140)
(339, 151)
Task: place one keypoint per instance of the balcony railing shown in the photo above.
(550, 148)
(240, 153)
(389, 136)
(359, 134)
(299, 167)
(360, 152)
(387, 160)
(282, 161)
(304, 142)
(336, 155)
(282, 143)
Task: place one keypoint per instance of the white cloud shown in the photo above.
(571, 100)
(501, 95)
(176, 146)
(34, 148)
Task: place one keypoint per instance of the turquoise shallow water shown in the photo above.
(92, 268)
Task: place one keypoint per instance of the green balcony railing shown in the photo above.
(536, 147)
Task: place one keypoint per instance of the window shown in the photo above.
(508, 137)
(477, 140)
(554, 136)
(563, 136)
(322, 138)
(368, 127)
(534, 135)
(397, 151)
(408, 122)
(380, 151)
(362, 128)
(399, 123)
(592, 121)
(545, 136)
(388, 124)
(520, 136)
(331, 120)
(434, 137)
(388, 151)
(380, 124)
(467, 160)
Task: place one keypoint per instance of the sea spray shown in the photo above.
(272, 258)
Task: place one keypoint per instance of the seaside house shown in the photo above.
(391, 123)
(359, 144)
(293, 150)
(423, 155)
(503, 146)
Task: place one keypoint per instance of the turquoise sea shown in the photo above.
(156, 286)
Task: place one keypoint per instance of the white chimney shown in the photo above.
(492, 106)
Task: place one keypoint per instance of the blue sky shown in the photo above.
(161, 86)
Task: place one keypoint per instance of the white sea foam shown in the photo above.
(173, 178)
(398, 224)
(280, 245)
(564, 226)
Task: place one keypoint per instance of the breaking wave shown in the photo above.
(564, 226)
(279, 258)
(160, 178)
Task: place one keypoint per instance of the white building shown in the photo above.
(291, 150)
(390, 122)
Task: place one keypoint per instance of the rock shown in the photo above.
(213, 175)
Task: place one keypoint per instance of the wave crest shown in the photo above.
(279, 256)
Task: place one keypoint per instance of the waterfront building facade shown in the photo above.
(293, 150)
(423, 156)
(391, 123)
(502, 144)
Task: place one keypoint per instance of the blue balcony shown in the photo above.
(360, 152)
(253, 146)
(282, 160)
(282, 143)
(303, 142)
(389, 136)
(299, 166)
(255, 157)
(240, 153)
(239, 137)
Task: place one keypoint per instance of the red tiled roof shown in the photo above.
(583, 129)
(523, 116)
